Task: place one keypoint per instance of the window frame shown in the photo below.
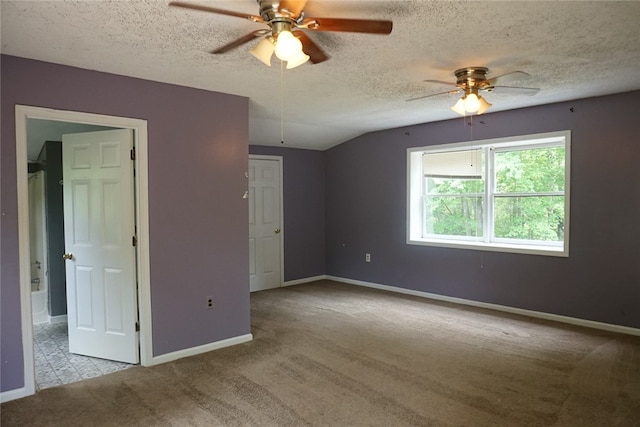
(416, 191)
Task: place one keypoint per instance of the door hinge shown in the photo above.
(137, 326)
(134, 241)
(133, 154)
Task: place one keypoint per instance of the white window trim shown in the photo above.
(414, 194)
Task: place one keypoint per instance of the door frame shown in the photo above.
(282, 227)
(141, 203)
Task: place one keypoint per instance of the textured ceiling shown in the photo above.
(571, 49)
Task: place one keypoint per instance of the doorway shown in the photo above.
(139, 129)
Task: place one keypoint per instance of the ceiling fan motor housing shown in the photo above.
(270, 11)
(472, 77)
(278, 20)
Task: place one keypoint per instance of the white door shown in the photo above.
(99, 229)
(265, 224)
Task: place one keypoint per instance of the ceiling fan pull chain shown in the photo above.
(281, 102)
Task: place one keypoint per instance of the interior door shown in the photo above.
(265, 224)
(100, 253)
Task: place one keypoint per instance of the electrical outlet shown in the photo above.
(209, 303)
(367, 257)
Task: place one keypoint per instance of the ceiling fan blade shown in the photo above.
(450, 92)
(348, 25)
(293, 8)
(440, 82)
(514, 76)
(239, 42)
(316, 55)
(515, 89)
(253, 18)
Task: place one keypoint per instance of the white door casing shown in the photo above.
(99, 220)
(265, 223)
(23, 114)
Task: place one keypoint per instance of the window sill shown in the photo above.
(494, 247)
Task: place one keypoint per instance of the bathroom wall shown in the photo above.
(51, 155)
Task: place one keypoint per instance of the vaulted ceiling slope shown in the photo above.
(571, 49)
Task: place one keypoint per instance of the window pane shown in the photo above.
(538, 218)
(530, 170)
(453, 216)
(454, 186)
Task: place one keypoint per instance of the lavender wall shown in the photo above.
(366, 212)
(198, 147)
(304, 196)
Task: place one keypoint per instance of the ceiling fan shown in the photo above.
(285, 36)
(471, 80)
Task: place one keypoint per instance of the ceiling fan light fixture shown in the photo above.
(264, 50)
(288, 46)
(471, 103)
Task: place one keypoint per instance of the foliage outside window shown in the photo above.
(509, 194)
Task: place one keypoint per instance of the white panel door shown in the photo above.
(265, 224)
(99, 228)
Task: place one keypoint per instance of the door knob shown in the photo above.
(68, 255)
(277, 230)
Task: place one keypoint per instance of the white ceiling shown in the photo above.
(572, 49)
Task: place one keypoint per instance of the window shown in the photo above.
(509, 194)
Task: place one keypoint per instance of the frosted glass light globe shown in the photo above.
(288, 46)
(471, 103)
(298, 60)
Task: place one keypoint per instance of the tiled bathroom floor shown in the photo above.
(56, 366)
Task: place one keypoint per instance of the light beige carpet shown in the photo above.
(330, 354)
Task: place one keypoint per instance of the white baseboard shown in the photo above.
(14, 394)
(537, 314)
(157, 360)
(193, 351)
(305, 280)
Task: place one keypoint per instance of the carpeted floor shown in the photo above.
(330, 354)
